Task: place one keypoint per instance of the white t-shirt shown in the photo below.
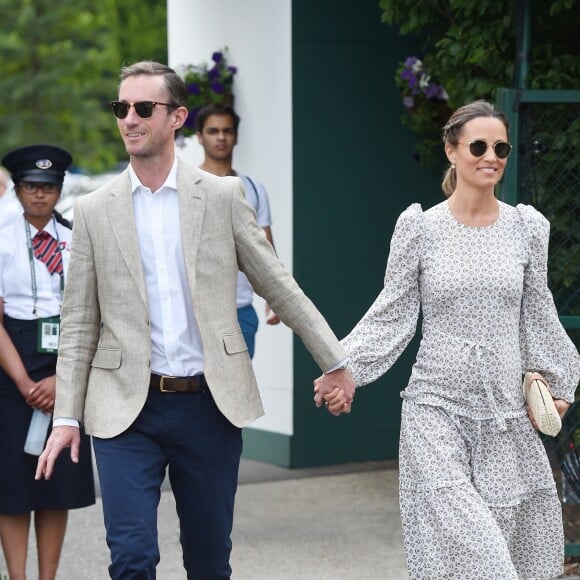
(257, 197)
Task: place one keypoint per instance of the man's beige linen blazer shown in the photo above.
(104, 359)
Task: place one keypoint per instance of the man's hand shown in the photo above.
(60, 437)
(271, 316)
(336, 389)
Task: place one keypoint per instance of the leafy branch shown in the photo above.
(470, 47)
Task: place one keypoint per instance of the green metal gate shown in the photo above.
(545, 172)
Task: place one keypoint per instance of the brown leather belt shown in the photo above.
(166, 384)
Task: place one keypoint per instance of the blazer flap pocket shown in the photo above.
(234, 343)
(107, 358)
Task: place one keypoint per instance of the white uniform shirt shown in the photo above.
(175, 341)
(15, 272)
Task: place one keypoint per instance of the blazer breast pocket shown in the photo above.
(107, 358)
(234, 343)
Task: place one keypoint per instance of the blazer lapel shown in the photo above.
(122, 218)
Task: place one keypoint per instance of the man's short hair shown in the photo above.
(205, 112)
(173, 82)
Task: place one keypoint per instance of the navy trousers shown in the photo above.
(186, 433)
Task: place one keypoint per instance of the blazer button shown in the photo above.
(147, 321)
(148, 363)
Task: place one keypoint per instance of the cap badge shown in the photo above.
(43, 163)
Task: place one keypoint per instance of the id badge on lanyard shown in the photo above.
(48, 328)
(48, 334)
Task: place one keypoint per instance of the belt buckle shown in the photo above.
(162, 384)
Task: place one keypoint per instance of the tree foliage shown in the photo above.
(141, 30)
(471, 47)
(60, 67)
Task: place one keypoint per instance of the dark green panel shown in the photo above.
(328, 20)
(354, 172)
(267, 446)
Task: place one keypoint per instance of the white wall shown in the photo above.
(258, 36)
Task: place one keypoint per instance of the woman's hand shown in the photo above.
(336, 402)
(42, 394)
(561, 406)
(25, 384)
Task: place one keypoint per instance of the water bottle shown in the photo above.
(36, 436)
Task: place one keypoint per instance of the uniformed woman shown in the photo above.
(34, 252)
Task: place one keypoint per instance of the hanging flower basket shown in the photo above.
(426, 104)
(207, 84)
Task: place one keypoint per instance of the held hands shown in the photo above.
(335, 390)
(60, 437)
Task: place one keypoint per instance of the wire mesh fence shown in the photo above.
(549, 179)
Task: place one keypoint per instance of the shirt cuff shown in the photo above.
(341, 364)
(65, 422)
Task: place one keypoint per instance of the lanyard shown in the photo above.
(32, 266)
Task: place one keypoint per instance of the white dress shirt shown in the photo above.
(175, 340)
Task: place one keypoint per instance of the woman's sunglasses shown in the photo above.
(477, 148)
(143, 108)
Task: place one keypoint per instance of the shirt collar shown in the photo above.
(49, 228)
(170, 182)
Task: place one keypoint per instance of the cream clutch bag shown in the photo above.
(541, 403)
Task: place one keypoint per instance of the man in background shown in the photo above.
(217, 132)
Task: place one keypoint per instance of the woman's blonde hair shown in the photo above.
(452, 129)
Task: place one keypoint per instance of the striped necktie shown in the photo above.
(46, 250)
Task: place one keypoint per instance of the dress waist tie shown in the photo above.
(478, 349)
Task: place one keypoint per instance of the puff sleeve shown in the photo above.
(386, 329)
(545, 346)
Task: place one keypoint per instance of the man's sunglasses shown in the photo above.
(477, 148)
(143, 108)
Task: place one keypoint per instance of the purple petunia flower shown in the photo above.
(217, 87)
(190, 121)
(431, 91)
(410, 77)
(193, 89)
(435, 91)
(233, 70)
(217, 57)
(410, 61)
(213, 73)
(409, 102)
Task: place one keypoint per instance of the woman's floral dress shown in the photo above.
(478, 499)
